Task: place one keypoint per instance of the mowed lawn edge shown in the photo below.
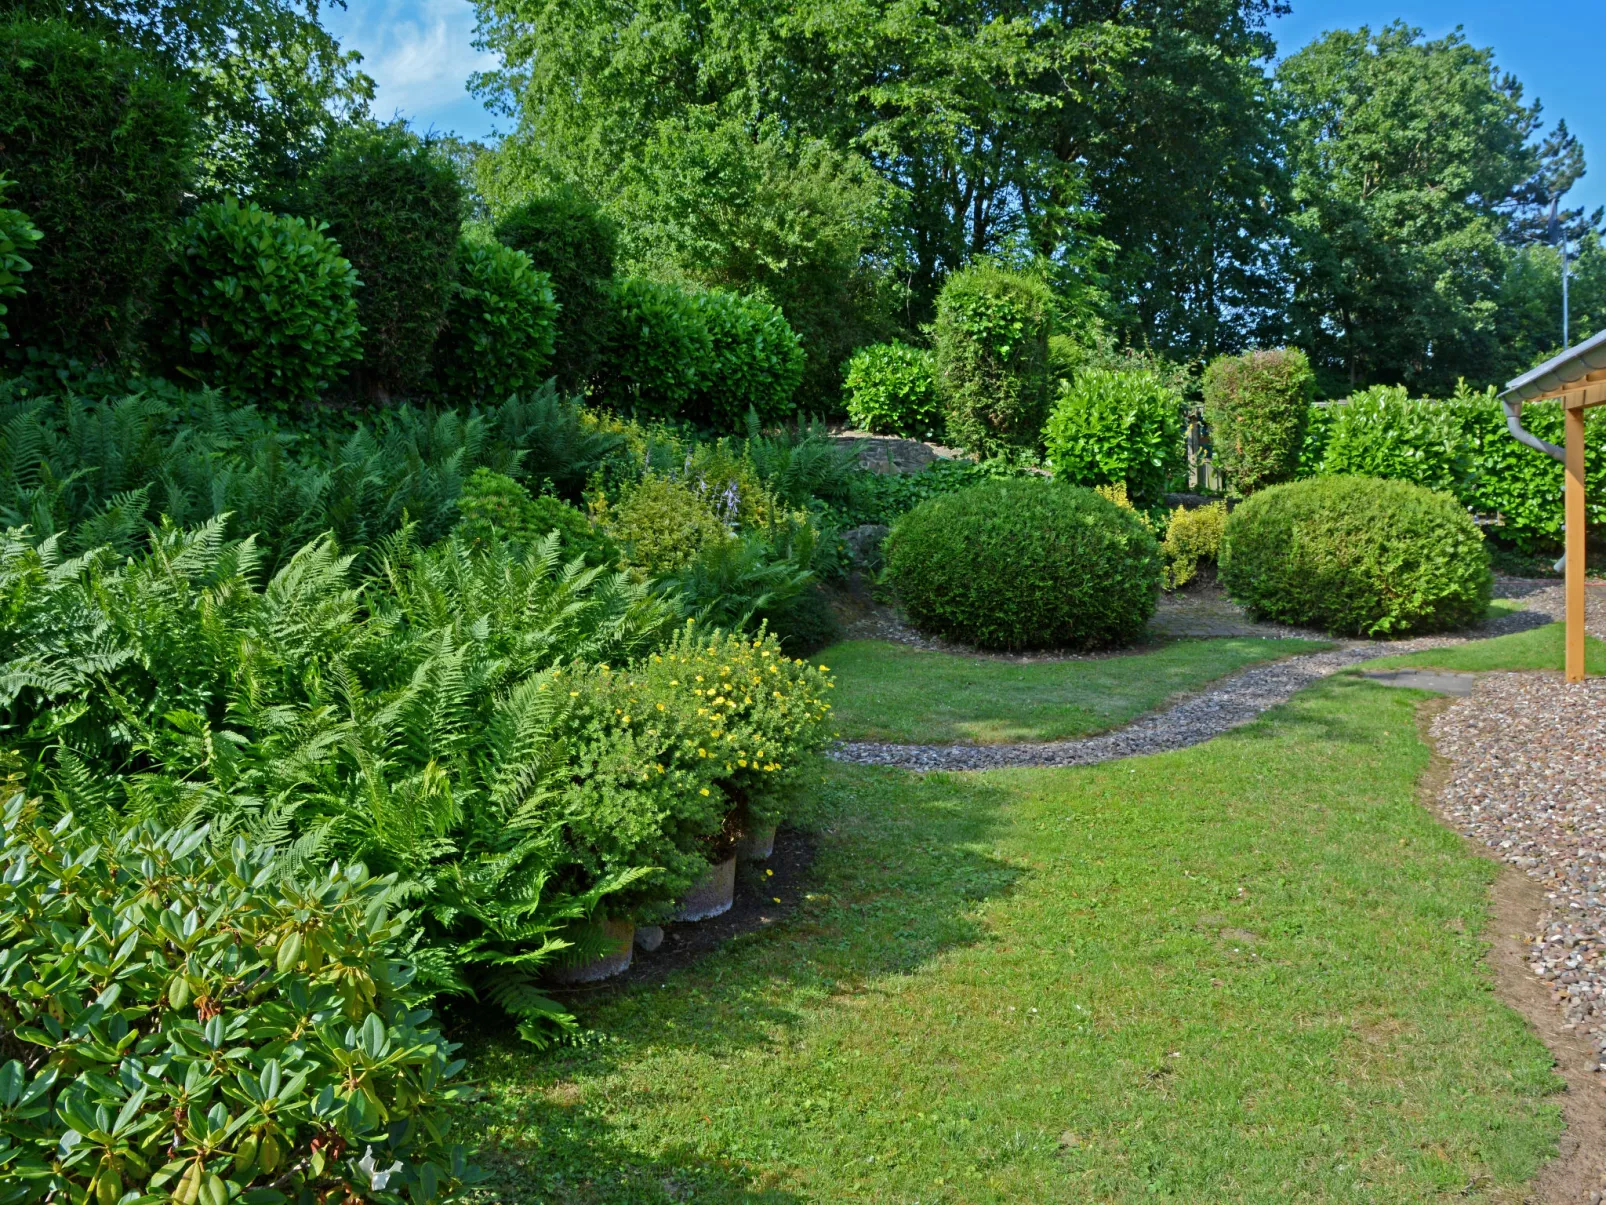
(1252, 970)
(900, 694)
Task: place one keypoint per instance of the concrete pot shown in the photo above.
(713, 896)
(621, 938)
(756, 844)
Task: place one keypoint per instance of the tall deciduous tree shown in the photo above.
(1405, 155)
(269, 83)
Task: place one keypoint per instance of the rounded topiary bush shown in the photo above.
(1358, 556)
(259, 303)
(1025, 564)
(892, 390)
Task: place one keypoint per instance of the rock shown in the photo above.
(649, 938)
(864, 544)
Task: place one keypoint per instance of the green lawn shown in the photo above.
(1250, 971)
(892, 692)
(1537, 648)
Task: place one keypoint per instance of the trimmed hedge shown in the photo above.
(395, 205)
(17, 236)
(99, 143)
(1110, 427)
(991, 341)
(500, 323)
(755, 361)
(1357, 556)
(1258, 405)
(570, 239)
(1025, 563)
(261, 304)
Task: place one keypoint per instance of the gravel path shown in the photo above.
(1528, 780)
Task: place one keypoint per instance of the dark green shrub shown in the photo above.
(1110, 427)
(154, 975)
(259, 304)
(99, 144)
(991, 340)
(755, 362)
(1357, 556)
(806, 624)
(495, 507)
(17, 237)
(500, 325)
(574, 243)
(659, 351)
(1025, 564)
(892, 390)
(1257, 405)
(395, 206)
(883, 497)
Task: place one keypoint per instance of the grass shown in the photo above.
(1250, 971)
(892, 692)
(1537, 648)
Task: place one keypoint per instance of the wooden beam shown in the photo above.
(1575, 544)
(1577, 395)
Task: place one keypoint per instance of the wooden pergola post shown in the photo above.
(1575, 542)
(1577, 379)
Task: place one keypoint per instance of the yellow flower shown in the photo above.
(660, 707)
(704, 791)
(574, 694)
(627, 719)
(702, 753)
(825, 669)
(742, 762)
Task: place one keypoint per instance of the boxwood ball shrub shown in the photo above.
(395, 206)
(892, 390)
(1110, 427)
(501, 322)
(1357, 556)
(1025, 563)
(260, 304)
(1258, 405)
(185, 1021)
(991, 340)
(570, 239)
(98, 140)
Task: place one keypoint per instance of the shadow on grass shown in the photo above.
(903, 864)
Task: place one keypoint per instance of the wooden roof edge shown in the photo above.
(1575, 370)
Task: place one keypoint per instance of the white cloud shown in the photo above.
(420, 53)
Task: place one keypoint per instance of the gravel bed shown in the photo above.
(1233, 702)
(1528, 780)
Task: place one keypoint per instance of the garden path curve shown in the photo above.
(1230, 703)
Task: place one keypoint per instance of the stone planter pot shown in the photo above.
(713, 896)
(621, 939)
(756, 844)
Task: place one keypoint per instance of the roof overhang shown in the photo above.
(1577, 376)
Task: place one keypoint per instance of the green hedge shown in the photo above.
(1461, 445)
(1357, 556)
(1258, 405)
(892, 390)
(501, 322)
(395, 206)
(98, 141)
(1025, 563)
(574, 243)
(259, 304)
(1111, 427)
(991, 341)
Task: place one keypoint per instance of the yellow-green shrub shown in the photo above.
(662, 523)
(664, 753)
(1190, 537)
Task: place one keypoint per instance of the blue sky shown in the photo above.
(419, 52)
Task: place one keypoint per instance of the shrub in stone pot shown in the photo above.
(602, 948)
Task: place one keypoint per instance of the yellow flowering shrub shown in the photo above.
(665, 755)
